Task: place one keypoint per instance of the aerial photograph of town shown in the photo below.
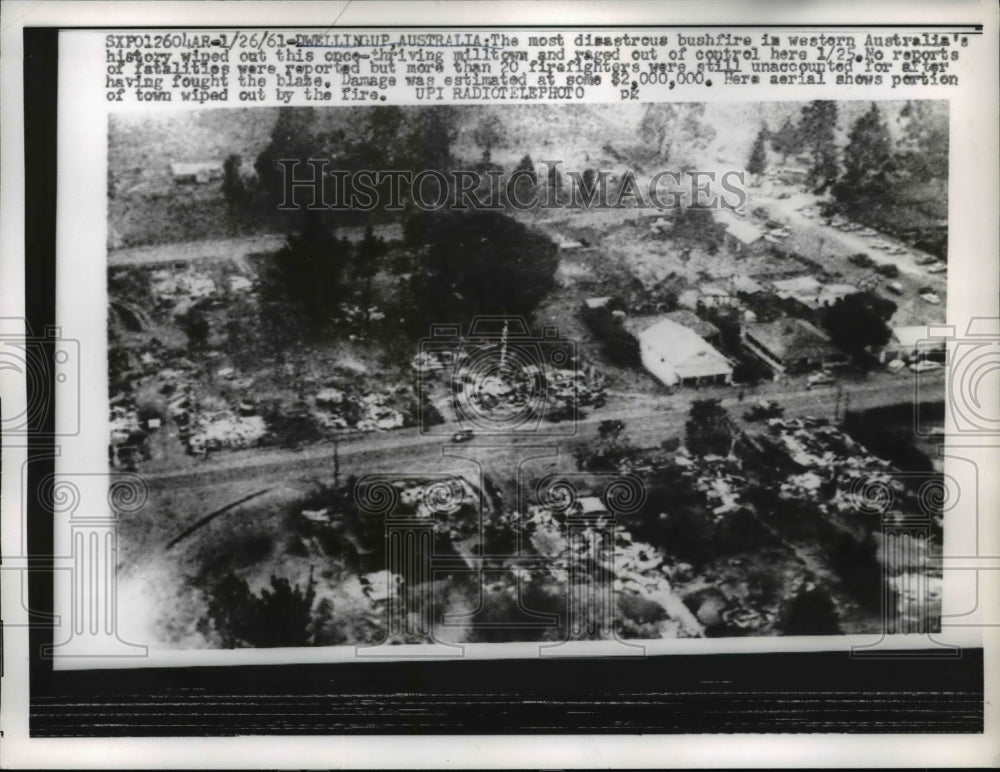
(544, 373)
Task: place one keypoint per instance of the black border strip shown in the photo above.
(774, 692)
(783, 692)
(41, 76)
(972, 28)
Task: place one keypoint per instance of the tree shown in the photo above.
(708, 430)
(196, 327)
(758, 153)
(638, 618)
(474, 263)
(922, 153)
(696, 226)
(811, 612)
(611, 448)
(384, 127)
(617, 343)
(433, 131)
(284, 613)
(306, 275)
(280, 616)
(857, 323)
(232, 184)
(368, 257)
(292, 138)
(869, 165)
(858, 567)
(676, 132)
(488, 134)
(523, 185)
(787, 141)
(817, 130)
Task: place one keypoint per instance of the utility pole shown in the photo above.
(336, 462)
(503, 346)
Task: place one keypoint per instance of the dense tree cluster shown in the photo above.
(858, 323)
(472, 263)
(281, 615)
(676, 133)
(617, 343)
(709, 429)
(890, 170)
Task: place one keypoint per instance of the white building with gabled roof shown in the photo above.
(677, 355)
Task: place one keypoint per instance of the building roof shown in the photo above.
(791, 338)
(693, 322)
(800, 285)
(831, 293)
(742, 283)
(684, 350)
(812, 292)
(744, 232)
(689, 319)
(597, 302)
(714, 290)
(590, 505)
(183, 169)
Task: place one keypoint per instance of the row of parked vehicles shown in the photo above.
(841, 223)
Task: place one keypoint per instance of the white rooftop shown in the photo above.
(744, 232)
(686, 352)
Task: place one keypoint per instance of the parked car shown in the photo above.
(819, 379)
(868, 232)
(938, 268)
(895, 249)
(894, 287)
(926, 260)
(924, 364)
(880, 244)
(463, 436)
(931, 297)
